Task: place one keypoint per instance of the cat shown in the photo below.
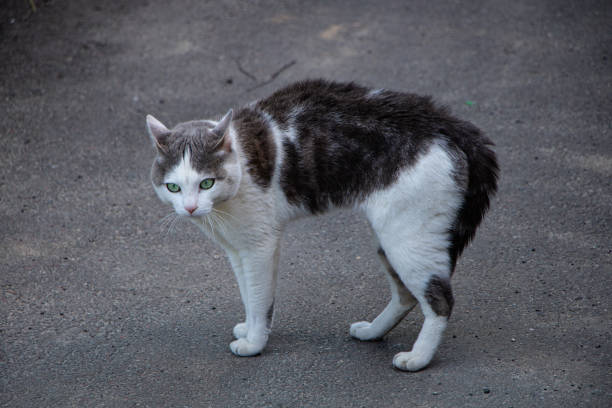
(423, 178)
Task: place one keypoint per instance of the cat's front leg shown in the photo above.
(240, 329)
(259, 267)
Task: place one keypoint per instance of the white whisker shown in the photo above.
(173, 223)
(167, 222)
(223, 222)
(165, 219)
(228, 214)
(218, 220)
(212, 228)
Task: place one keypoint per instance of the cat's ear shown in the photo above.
(222, 132)
(158, 133)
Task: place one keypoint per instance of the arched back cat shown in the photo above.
(423, 178)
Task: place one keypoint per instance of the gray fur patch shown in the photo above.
(202, 144)
(160, 167)
(440, 296)
(348, 145)
(257, 142)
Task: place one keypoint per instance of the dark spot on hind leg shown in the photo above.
(440, 296)
(269, 316)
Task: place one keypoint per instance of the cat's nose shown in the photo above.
(191, 208)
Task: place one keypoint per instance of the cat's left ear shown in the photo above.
(158, 132)
(222, 131)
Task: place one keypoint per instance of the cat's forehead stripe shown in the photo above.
(184, 172)
(195, 140)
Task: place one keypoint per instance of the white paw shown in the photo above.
(410, 361)
(240, 330)
(363, 331)
(243, 348)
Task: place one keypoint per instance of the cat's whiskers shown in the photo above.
(169, 222)
(166, 222)
(170, 225)
(209, 220)
(221, 222)
(166, 219)
(175, 221)
(216, 210)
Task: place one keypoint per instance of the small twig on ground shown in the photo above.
(33, 6)
(244, 71)
(273, 76)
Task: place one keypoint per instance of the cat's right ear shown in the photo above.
(158, 133)
(221, 130)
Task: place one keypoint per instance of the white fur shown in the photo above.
(291, 131)
(374, 93)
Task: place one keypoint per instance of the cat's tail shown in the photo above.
(482, 174)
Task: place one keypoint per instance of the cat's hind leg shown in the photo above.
(422, 263)
(400, 304)
(436, 303)
(412, 219)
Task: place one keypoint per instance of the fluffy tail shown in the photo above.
(482, 173)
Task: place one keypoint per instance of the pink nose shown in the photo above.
(190, 209)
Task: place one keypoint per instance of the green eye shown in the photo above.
(207, 183)
(173, 188)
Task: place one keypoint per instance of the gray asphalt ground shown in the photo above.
(103, 305)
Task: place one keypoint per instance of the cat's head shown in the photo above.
(196, 165)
